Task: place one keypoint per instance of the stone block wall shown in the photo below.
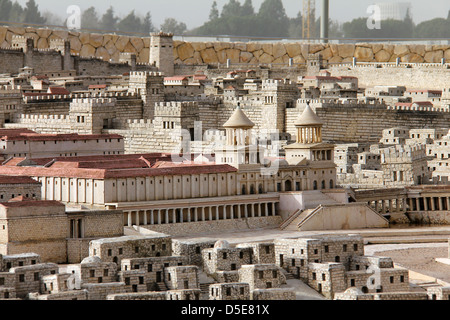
(100, 291)
(110, 46)
(229, 291)
(192, 250)
(273, 294)
(182, 277)
(262, 276)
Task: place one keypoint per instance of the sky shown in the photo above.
(195, 12)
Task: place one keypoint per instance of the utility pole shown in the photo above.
(324, 21)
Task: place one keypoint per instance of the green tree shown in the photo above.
(147, 24)
(32, 14)
(231, 9)
(247, 8)
(273, 19)
(435, 28)
(389, 29)
(173, 26)
(295, 26)
(214, 13)
(5, 9)
(17, 13)
(89, 19)
(109, 20)
(131, 23)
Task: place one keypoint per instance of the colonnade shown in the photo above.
(199, 213)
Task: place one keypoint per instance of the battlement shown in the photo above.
(23, 118)
(46, 98)
(94, 101)
(139, 124)
(161, 34)
(176, 109)
(419, 108)
(145, 74)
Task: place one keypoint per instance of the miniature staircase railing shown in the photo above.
(291, 218)
(309, 216)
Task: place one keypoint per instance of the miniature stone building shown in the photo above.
(135, 280)
(438, 293)
(56, 283)
(224, 258)
(262, 253)
(154, 268)
(29, 278)
(192, 250)
(273, 294)
(229, 291)
(116, 249)
(182, 277)
(327, 278)
(187, 294)
(93, 270)
(262, 276)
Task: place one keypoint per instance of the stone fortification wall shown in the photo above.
(354, 123)
(109, 46)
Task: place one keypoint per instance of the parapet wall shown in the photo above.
(110, 46)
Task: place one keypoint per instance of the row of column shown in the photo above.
(199, 214)
(429, 204)
(307, 135)
(411, 204)
(390, 205)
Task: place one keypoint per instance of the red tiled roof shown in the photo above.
(95, 173)
(175, 78)
(111, 166)
(27, 202)
(58, 90)
(33, 136)
(17, 180)
(98, 86)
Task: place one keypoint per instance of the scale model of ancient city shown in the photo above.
(149, 168)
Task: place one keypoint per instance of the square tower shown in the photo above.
(161, 52)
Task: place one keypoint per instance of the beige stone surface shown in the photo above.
(122, 42)
(137, 43)
(253, 46)
(232, 54)
(87, 51)
(413, 58)
(185, 51)
(265, 58)
(102, 53)
(198, 46)
(382, 56)
(209, 55)
(96, 40)
(327, 54)
(293, 49)
(401, 50)
(346, 50)
(268, 48)
(434, 57)
(364, 54)
(42, 43)
(75, 44)
(278, 50)
(246, 57)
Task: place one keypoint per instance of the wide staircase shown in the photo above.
(312, 202)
